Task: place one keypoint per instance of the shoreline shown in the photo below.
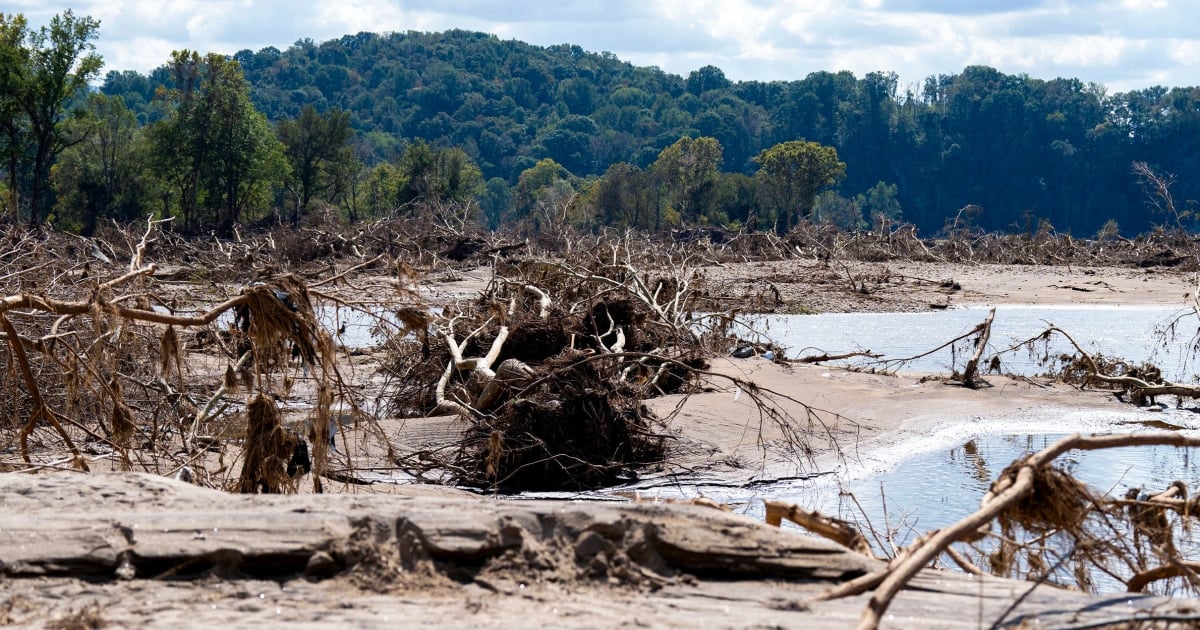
(894, 286)
(850, 422)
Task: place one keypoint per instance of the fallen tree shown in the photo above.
(549, 367)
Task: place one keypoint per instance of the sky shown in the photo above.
(1122, 44)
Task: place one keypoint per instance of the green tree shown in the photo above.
(496, 202)
(436, 175)
(349, 175)
(546, 196)
(705, 79)
(792, 173)
(104, 176)
(316, 148)
(57, 63)
(684, 168)
(625, 197)
(214, 147)
(830, 208)
(376, 195)
(13, 123)
(732, 201)
(881, 203)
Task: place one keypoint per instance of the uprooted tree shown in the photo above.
(550, 366)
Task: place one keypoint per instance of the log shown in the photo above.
(440, 561)
(837, 530)
(985, 332)
(100, 525)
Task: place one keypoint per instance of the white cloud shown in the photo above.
(1144, 4)
(130, 53)
(373, 15)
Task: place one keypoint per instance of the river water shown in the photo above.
(1137, 333)
(933, 480)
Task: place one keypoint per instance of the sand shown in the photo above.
(814, 286)
(847, 422)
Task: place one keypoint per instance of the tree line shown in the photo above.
(483, 131)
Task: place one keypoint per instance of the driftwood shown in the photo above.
(137, 533)
(838, 531)
(1014, 485)
(1140, 389)
(980, 334)
(985, 332)
(89, 350)
(825, 356)
(137, 525)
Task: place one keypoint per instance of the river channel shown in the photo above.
(934, 480)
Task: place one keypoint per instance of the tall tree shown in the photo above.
(214, 147)
(59, 62)
(316, 146)
(685, 167)
(792, 173)
(105, 175)
(13, 124)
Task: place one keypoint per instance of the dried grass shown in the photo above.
(272, 456)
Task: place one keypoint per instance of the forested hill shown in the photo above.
(1020, 149)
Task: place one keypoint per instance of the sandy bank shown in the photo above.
(142, 551)
(855, 423)
(915, 286)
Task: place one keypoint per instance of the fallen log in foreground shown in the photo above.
(142, 526)
(101, 546)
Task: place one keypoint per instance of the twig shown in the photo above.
(206, 410)
(348, 271)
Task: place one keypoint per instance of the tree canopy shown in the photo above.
(42, 69)
(369, 123)
(792, 173)
(216, 150)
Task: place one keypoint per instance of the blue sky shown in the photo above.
(1123, 44)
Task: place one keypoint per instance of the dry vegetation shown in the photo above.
(208, 360)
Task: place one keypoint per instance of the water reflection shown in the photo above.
(978, 465)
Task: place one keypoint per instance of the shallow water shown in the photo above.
(359, 326)
(1136, 333)
(932, 480)
(936, 488)
(941, 476)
